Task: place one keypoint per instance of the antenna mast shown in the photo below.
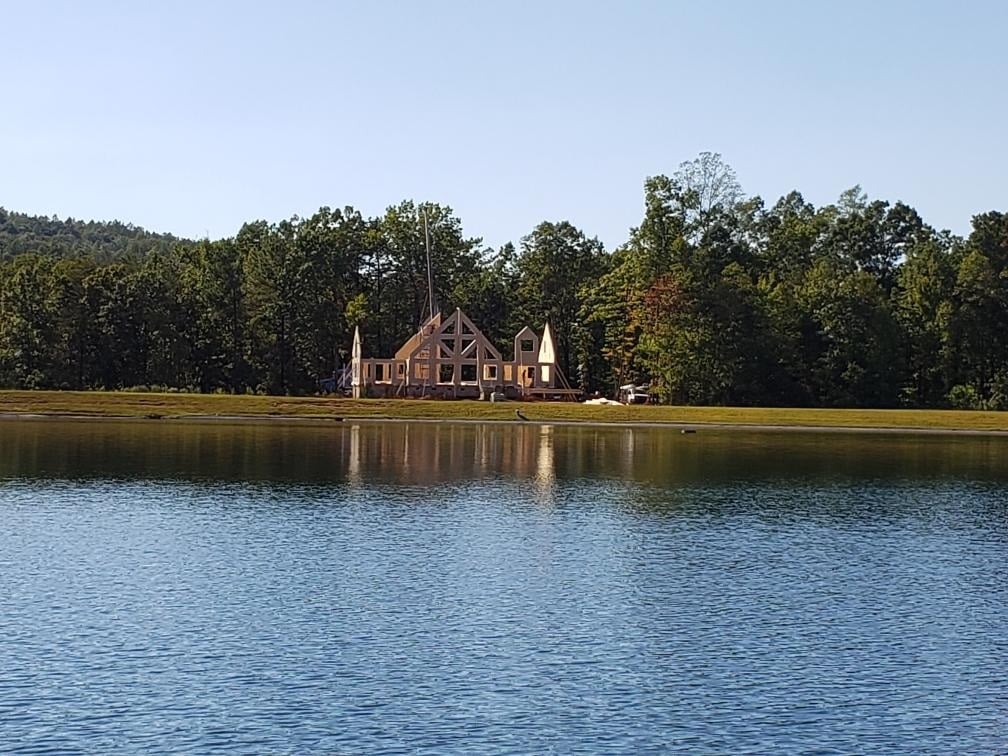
(430, 277)
(430, 301)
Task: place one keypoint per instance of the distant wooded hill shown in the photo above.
(99, 240)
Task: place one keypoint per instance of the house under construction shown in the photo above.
(451, 358)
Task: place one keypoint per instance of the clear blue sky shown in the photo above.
(193, 117)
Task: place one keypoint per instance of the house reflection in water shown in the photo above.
(545, 476)
(434, 453)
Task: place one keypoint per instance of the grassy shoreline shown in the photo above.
(107, 404)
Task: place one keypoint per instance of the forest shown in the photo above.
(715, 298)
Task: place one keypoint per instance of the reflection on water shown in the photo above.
(370, 587)
(431, 453)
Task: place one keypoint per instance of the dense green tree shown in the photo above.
(212, 315)
(75, 359)
(107, 349)
(790, 234)
(923, 305)
(612, 310)
(273, 289)
(678, 344)
(853, 352)
(977, 323)
(488, 295)
(613, 307)
(556, 262)
(28, 335)
(329, 248)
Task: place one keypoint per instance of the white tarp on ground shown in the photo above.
(603, 400)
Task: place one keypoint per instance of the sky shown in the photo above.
(195, 117)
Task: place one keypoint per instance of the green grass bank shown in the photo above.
(107, 404)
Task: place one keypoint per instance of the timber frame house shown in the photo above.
(451, 358)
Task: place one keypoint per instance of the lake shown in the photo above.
(438, 588)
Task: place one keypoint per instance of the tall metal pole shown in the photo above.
(428, 380)
(430, 277)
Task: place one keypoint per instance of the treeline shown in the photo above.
(102, 241)
(714, 299)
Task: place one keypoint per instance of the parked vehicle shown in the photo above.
(631, 394)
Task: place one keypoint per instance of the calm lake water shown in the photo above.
(386, 588)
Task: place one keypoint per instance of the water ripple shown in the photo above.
(622, 612)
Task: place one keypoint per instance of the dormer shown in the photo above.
(526, 347)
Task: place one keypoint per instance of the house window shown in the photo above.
(525, 345)
(468, 373)
(379, 372)
(401, 369)
(490, 372)
(446, 373)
